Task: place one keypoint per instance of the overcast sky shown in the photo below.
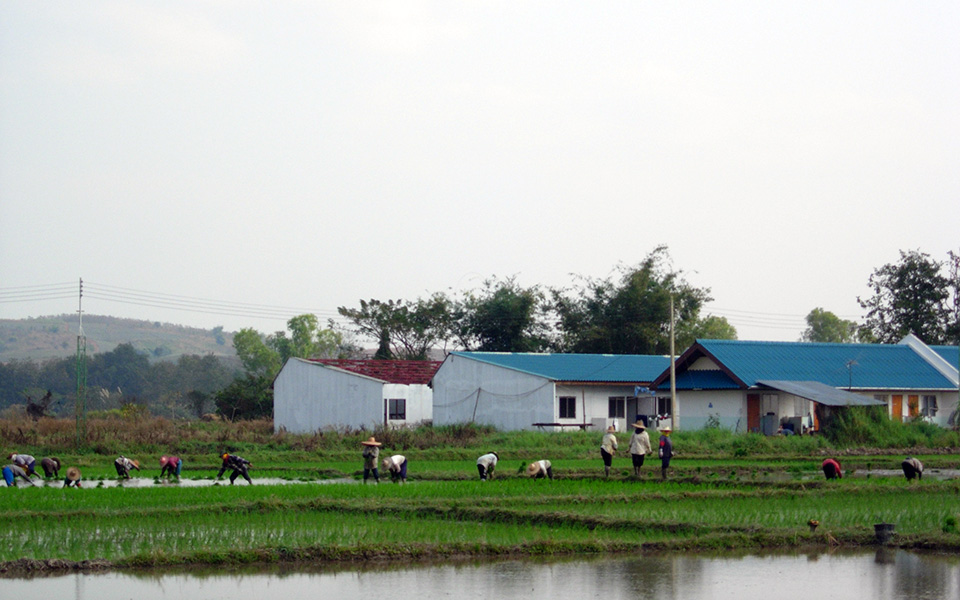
(300, 156)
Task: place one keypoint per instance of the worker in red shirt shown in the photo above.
(831, 469)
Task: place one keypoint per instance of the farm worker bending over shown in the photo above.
(665, 452)
(11, 472)
(912, 468)
(73, 478)
(50, 466)
(170, 465)
(608, 447)
(396, 465)
(831, 469)
(25, 462)
(371, 452)
(539, 469)
(238, 465)
(486, 464)
(123, 466)
(639, 446)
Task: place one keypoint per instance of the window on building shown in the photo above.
(663, 405)
(397, 409)
(880, 397)
(568, 407)
(617, 407)
(928, 406)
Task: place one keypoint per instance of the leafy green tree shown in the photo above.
(629, 316)
(258, 359)
(307, 340)
(248, 397)
(503, 317)
(710, 327)
(122, 368)
(909, 296)
(405, 330)
(824, 326)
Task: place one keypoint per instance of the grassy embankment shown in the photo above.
(726, 491)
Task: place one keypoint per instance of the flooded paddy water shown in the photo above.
(139, 482)
(884, 573)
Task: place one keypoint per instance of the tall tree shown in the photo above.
(502, 317)
(824, 326)
(262, 356)
(909, 296)
(953, 276)
(408, 329)
(629, 316)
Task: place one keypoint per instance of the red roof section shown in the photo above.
(407, 372)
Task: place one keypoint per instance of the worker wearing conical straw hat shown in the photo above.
(540, 469)
(123, 466)
(73, 478)
(639, 446)
(371, 452)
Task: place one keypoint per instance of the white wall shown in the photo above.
(310, 396)
(946, 403)
(696, 407)
(596, 399)
(419, 401)
(504, 398)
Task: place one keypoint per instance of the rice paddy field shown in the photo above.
(316, 509)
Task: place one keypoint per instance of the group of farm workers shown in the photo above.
(23, 466)
(639, 448)
(912, 469)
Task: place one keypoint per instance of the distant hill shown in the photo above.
(41, 338)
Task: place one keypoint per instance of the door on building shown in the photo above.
(753, 412)
(896, 408)
(913, 406)
(633, 410)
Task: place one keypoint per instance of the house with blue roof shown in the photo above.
(514, 391)
(766, 386)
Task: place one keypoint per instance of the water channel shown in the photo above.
(878, 574)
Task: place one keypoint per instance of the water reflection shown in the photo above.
(884, 574)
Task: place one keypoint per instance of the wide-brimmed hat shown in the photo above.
(665, 428)
(611, 429)
(639, 425)
(533, 469)
(73, 474)
(371, 442)
(136, 463)
(163, 461)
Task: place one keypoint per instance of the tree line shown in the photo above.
(122, 377)
(625, 313)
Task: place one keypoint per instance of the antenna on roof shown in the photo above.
(850, 363)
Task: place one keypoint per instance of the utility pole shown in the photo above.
(81, 377)
(674, 404)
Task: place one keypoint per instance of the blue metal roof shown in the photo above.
(702, 380)
(949, 353)
(869, 366)
(594, 368)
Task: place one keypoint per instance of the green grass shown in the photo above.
(163, 524)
